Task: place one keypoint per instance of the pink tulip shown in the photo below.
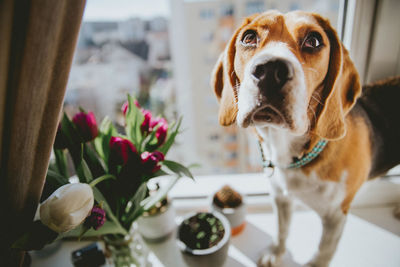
(86, 125)
(121, 150)
(125, 106)
(150, 161)
(145, 127)
(162, 131)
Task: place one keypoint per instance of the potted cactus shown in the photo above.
(203, 238)
(230, 203)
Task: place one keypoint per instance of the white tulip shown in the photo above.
(67, 207)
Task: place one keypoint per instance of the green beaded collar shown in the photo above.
(298, 163)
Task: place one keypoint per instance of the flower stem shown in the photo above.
(100, 179)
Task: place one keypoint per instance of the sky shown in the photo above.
(122, 9)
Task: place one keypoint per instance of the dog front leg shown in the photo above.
(332, 231)
(283, 210)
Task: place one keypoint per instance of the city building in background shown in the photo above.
(199, 32)
(114, 58)
(166, 62)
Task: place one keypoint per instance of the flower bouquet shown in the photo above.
(112, 171)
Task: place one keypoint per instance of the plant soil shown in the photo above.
(201, 231)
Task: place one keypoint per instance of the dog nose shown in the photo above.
(274, 73)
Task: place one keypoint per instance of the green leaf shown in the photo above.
(149, 142)
(98, 196)
(150, 201)
(159, 173)
(109, 227)
(61, 162)
(56, 179)
(74, 142)
(194, 165)
(102, 141)
(134, 119)
(171, 137)
(177, 168)
(93, 160)
(83, 172)
(102, 178)
(135, 209)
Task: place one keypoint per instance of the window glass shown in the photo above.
(163, 52)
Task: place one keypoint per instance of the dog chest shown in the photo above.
(320, 195)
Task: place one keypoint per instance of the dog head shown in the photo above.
(287, 71)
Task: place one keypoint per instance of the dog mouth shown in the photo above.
(264, 114)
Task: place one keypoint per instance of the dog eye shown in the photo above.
(312, 41)
(250, 38)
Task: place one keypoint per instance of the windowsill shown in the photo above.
(371, 213)
(190, 194)
(362, 244)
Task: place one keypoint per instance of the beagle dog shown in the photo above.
(290, 77)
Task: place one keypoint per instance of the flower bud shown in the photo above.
(125, 106)
(61, 140)
(121, 150)
(96, 219)
(150, 161)
(145, 127)
(162, 131)
(67, 207)
(86, 125)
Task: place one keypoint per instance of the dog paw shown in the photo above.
(269, 260)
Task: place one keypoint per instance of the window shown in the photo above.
(227, 10)
(165, 58)
(207, 13)
(254, 7)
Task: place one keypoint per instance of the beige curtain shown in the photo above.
(37, 42)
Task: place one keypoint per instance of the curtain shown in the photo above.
(37, 42)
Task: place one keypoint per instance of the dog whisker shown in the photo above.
(312, 69)
(316, 99)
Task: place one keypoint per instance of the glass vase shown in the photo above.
(127, 250)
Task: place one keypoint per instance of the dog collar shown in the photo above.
(298, 163)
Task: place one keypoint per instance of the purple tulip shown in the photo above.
(96, 219)
(86, 125)
(162, 131)
(150, 161)
(61, 140)
(121, 150)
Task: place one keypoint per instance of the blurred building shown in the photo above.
(114, 58)
(200, 30)
(92, 82)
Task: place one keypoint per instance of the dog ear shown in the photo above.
(341, 88)
(224, 80)
(224, 90)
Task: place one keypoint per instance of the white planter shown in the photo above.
(156, 227)
(236, 216)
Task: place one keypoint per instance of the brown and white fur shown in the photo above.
(289, 77)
